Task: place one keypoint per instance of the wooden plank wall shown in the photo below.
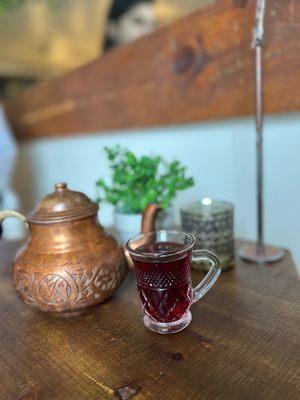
(197, 68)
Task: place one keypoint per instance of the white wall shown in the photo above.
(221, 157)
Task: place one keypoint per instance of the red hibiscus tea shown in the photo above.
(162, 262)
(164, 285)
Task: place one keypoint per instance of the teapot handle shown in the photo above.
(9, 213)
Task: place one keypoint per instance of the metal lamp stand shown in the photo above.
(259, 252)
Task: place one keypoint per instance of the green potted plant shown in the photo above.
(136, 182)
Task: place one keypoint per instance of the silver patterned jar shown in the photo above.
(211, 222)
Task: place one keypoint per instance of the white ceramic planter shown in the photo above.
(129, 225)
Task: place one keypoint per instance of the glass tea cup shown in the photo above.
(162, 263)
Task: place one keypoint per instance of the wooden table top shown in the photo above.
(243, 343)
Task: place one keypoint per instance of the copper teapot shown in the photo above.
(69, 263)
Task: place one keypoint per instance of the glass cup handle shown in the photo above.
(212, 275)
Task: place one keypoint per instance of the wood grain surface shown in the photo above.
(243, 343)
(198, 68)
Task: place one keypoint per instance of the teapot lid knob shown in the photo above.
(60, 186)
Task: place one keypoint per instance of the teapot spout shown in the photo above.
(148, 225)
(149, 217)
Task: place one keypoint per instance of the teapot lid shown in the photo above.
(63, 205)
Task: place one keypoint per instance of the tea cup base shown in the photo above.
(167, 327)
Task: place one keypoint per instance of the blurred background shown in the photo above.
(40, 40)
